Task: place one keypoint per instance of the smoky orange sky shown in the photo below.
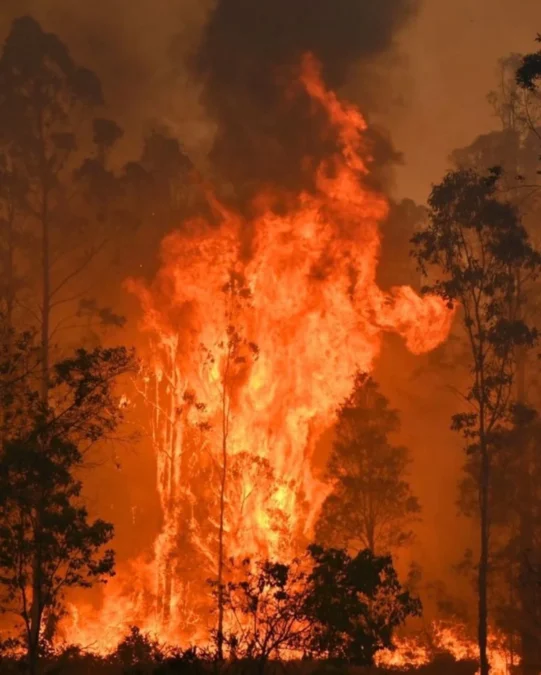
(451, 54)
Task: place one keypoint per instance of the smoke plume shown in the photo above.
(247, 58)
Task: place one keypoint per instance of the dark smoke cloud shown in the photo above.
(247, 56)
(244, 51)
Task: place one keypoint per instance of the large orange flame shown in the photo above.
(316, 315)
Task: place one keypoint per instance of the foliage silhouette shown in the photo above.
(371, 504)
(326, 605)
(530, 69)
(476, 249)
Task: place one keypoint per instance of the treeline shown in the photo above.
(141, 654)
(66, 212)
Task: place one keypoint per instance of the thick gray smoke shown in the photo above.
(247, 58)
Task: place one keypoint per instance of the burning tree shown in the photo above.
(316, 315)
(229, 362)
(479, 246)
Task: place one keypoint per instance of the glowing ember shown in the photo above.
(316, 315)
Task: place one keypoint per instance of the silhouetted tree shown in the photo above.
(371, 504)
(47, 541)
(41, 88)
(530, 69)
(515, 542)
(162, 188)
(137, 650)
(267, 606)
(478, 248)
(19, 360)
(61, 204)
(516, 149)
(323, 605)
(355, 604)
(396, 266)
(13, 238)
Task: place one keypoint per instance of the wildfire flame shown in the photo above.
(447, 639)
(316, 315)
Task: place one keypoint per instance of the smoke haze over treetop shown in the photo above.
(246, 56)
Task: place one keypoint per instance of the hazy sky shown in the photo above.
(449, 51)
(452, 51)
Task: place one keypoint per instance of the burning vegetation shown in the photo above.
(284, 496)
(235, 420)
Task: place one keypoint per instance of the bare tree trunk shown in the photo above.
(35, 609)
(225, 433)
(231, 358)
(10, 278)
(483, 560)
(36, 604)
(220, 636)
(7, 333)
(371, 534)
(46, 300)
(529, 644)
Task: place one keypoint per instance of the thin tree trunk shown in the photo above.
(225, 430)
(483, 559)
(7, 335)
(36, 604)
(35, 613)
(220, 640)
(371, 532)
(46, 301)
(484, 490)
(529, 644)
(10, 279)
